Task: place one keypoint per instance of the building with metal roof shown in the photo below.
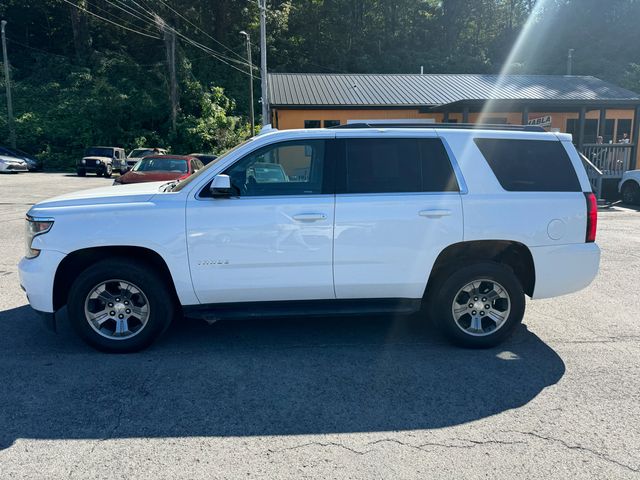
(604, 118)
(368, 90)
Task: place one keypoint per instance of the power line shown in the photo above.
(110, 21)
(118, 18)
(133, 65)
(199, 29)
(156, 19)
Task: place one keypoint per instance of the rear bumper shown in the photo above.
(562, 269)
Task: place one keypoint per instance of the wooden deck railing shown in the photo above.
(612, 159)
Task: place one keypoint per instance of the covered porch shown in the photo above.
(605, 133)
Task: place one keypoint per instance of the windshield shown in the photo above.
(164, 164)
(98, 152)
(191, 178)
(141, 152)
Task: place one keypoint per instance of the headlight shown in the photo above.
(84, 161)
(35, 227)
(98, 162)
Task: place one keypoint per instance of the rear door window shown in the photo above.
(530, 165)
(396, 165)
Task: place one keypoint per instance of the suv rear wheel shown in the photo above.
(631, 193)
(478, 306)
(119, 306)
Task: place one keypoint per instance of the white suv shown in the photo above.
(464, 221)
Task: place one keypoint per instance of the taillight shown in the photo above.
(592, 217)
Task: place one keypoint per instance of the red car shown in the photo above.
(160, 168)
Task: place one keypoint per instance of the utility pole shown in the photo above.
(170, 43)
(251, 114)
(570, 61)
(263, 61)
(7, 84)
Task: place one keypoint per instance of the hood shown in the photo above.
(95, 157)
(139, 177)
(103, 196)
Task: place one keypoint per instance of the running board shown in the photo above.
(302, 308)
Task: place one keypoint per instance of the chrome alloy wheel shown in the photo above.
(481, 307)
(116, 309)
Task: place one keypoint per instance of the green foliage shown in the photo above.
(80, 81)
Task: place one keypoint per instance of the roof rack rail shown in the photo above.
(452, 126)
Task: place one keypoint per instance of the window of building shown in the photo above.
(624, 126)
(590, 129)
(530, 165)
(286, 168)
(396, 165)
(495, 120)
(312, 124)
(331, 123)
(608, 130)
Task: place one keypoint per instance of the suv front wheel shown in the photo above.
(478, 306)
(119, 306)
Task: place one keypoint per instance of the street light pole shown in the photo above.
(7, 84)
(570, 61)
(251, 114)
(263, 61)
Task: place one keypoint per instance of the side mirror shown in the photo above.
(221, 186)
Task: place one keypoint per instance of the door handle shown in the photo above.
(309, 217)
(434, 213)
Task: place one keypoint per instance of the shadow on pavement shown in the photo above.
(270, 377)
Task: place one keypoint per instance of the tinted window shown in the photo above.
(331, 123)
(396, 165)
(287, 168)
(312, 124)
(530, 165)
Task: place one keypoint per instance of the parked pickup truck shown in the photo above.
(463, 221)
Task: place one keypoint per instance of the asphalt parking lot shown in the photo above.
(326, 398)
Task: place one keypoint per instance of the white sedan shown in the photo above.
(12, 165)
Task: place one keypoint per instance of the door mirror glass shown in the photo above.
(221, 186)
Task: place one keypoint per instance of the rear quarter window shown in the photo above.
(530, 165)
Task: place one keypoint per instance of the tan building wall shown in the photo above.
(288, 119)
(294, 118)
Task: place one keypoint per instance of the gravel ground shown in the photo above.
(339, 398)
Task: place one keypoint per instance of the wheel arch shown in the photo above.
(630, 181)
(78, 261)
(514, 255)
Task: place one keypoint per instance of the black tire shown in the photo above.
(449, 284)
(631, 193)
(160, 300)
(108, 171)
(81, 173)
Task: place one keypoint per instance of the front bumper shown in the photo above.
(15, 168)
(562, 269)
(37, 277)
(92, 168)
